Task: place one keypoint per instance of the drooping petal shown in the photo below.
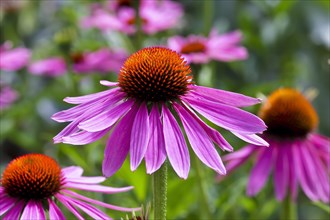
(260, 172)
(63, 199)
(90, 97)
(107, 118)
(86, 180)
(33, 210)
(96, 202)
(88, 209)
(226, 116)
(156, 153)
(293, 171)
(305, 180)
(239, 157)
(222, 96)
(212, 133)
(15, 212)
(200, 142)
(6, 203)
(84, 137)
(68, 130)
(324, 181)
(54, 211)
(118, 144)
(281, 172)
(252, 139)
(72, 172)
(97, 188)
(175, 144)
(139, 136)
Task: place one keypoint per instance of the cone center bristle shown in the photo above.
(155, 74)
(32, 176)
(287, 113)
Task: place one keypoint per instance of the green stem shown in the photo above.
(208, 15)
(159, 192)
(205, 206)
(289, 209)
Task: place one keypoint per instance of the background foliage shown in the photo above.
(288, 42)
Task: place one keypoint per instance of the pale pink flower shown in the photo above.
(13, 59)
(103, 61)
(7, 96)
(54, 66)
(200, 49)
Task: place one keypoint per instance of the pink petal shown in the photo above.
(281, 172)
(155, 154)
(228, 117)
(305, 175)
(15, 212)
(200, 142)
(72, 171)
(252, 139)
(6, 203)
(33, 210)
(260, 172)
(107, 118)
(211, 132)
(54, 211)
(293, 171)
(108, 83)
(96, 202)
(222, 96)
(88, 209)
(139, 136)
(118, 144)
(84, 137)
(175, 144)
(65, 201)
(237, 158)
(96, 188)
(90, 97)
(86, 180)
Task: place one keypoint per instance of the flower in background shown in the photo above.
(7, 96)
(155, 16)
(296, 154)
(103, 60)
(54, 66)
(199, 49)
(13, 59)
(34, 183)
(155, 88)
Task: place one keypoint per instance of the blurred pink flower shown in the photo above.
(33, 185)
(54, 66)
(7, 96)
(155, 16)
(199, 49)
(13, 59)
(103, 60)
(296, 154)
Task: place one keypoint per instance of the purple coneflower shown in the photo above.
(7, 96)
(296, 154)
(35, 182)
(155, 16)
(13, 59)
(53, 67)
(143, 109)
(103, 61)
(200, 49)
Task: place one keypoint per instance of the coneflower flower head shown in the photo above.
(155, 90)
(296, 154)
(31, 184)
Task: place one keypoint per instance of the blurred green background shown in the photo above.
(288, 42)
